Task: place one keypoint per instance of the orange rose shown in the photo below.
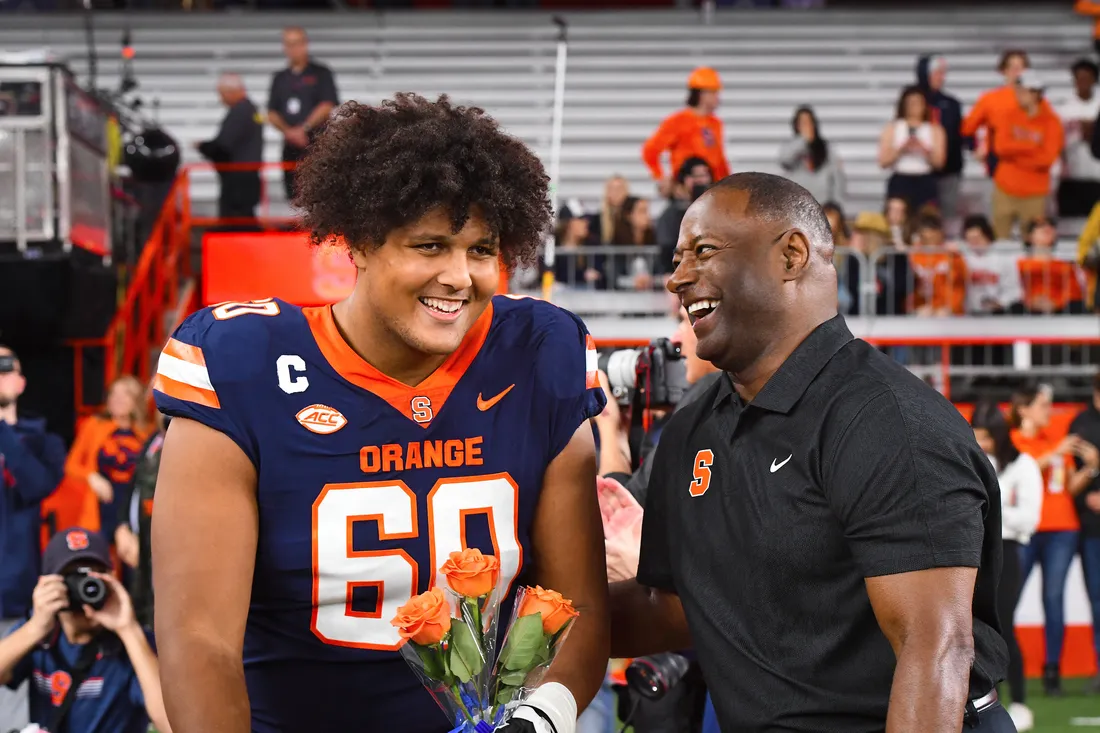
(425, 619)
(556, 611)
(471, 574)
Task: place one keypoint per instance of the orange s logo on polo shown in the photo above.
(700, 472)
(321, 419)
(77, 539)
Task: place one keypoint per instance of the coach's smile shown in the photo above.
(700, 310)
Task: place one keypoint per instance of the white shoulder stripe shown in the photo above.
(591, 360)
(179, 370)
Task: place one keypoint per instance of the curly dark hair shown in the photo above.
(376, 169)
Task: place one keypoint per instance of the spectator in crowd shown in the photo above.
(1079, 188)
(1027, 142)
(634, 228)
(871, 239)
(1087, 427)
(132, 536)
(106, 449)
(240, 140)
(1088, 253)
(1091, 9)
(93, 669)
(899, 218)
(838, 224)
(1021, 503)
(993, 275)
(31, 464)
(984, 118)
(301, 99)
(693, 177)
(939, 274)
(1055, 540)
(1050, 285)
(913, 148)
(572, 267)
(615, 193)
(693, 132)
(946, 111)
(808, 160)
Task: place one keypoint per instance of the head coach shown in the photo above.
(821, 525)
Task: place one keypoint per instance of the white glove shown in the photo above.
(550, 709)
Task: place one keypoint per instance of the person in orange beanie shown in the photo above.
(693, 132)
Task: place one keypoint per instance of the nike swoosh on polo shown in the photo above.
(777, 466)
(484, 405)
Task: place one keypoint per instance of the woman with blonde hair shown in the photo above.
(106, 448)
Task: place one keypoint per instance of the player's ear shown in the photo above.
(794, 249)
(359, 257)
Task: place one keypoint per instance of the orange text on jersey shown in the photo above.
(421, 454)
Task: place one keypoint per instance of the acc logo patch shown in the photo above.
(321, 419)
(77, 540)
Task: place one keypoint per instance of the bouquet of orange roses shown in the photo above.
(450, 641)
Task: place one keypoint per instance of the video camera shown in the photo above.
(656, 372)
(85, 589)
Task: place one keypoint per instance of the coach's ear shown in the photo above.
(794, 249)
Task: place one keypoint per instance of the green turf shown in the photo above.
(1054, 715)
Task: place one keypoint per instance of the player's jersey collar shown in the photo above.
(420, 403)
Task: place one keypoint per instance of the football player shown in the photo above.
(322, 462)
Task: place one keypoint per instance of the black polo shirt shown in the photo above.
(294, 95)
(765, 519)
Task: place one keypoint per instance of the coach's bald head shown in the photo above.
(754, 265)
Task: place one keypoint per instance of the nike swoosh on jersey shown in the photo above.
(484, 405)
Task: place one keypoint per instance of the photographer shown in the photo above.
(90, 665)
(31, 465)
(677, 705)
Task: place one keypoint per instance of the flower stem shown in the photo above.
(457, 690)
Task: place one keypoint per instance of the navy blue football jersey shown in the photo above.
(366, 485)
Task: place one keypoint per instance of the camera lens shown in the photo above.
(655, 675)
(93, 592)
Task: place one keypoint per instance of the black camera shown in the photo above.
(656, 371)
(85, 590)
(653, 676)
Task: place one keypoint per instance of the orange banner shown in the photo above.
(257, 265)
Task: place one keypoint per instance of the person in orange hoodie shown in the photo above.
(1091, 9)
(984, 117)
(1028, 141)
(693, 132)
(104, 454)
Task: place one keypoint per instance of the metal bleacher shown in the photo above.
(625, 72)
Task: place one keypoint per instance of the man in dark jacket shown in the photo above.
(32, 462)
(135, 522)
(945, 110)
(240, 139)
(693, 178)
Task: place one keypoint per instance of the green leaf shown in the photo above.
(524, 640)
(505, 695)
(434, 666)
(464, 644)
(456, 666)
(542, 653)
(513, 677)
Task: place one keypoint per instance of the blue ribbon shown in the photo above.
(481, 727)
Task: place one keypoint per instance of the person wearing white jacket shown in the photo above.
(1021, 483)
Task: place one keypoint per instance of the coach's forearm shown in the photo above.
(930, 687)
(646, 621)
(203, 686)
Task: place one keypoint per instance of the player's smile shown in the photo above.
(447, 310)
